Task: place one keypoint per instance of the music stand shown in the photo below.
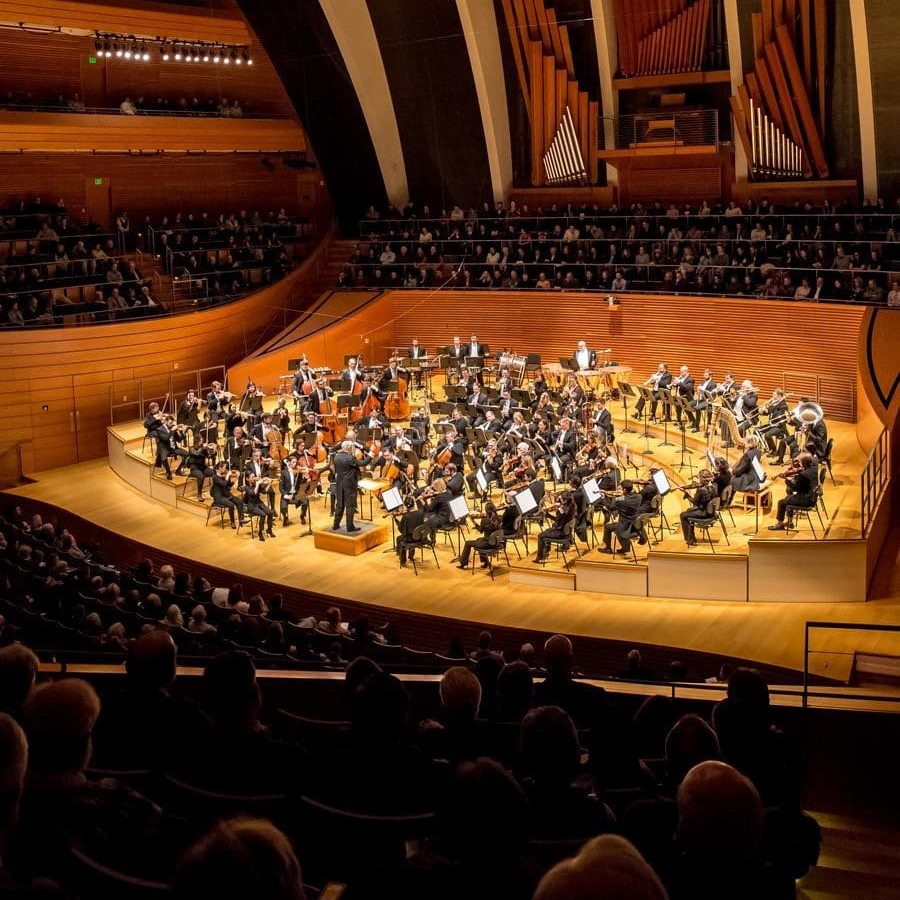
(475, 363)
(592, 491)
(393, 500)
(663, 487)
(459, 510)
(303, 492)
(762, 478)
(626, 391)
(681, 404)
(647, 396)
(525, 501)
(668, 396)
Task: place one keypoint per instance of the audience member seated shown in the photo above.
(583, 702)
(237, 859)
(18, 670)
(550, 761)
(455, 737)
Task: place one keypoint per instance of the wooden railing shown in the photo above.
(875, 478)
(11, 464)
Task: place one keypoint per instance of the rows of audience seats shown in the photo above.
(802, 252)
(516, 780)
(55, 270)
(171, 104)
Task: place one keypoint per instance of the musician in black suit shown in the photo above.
(217, 401)
(801, 492)
(303, 376)
(563, 440)
(316, 401)
(222, 483)
(256, 506)
(258, 466)
(165, 444)
(743, 475)
(775, 433)
(703, 400)
(187, 410)
(659, 381)
(351, 374)
(437, 509)
(490, 424)
(746, 407)
(583, 359)
(200, 463)
(603, 423)
(627, 506)
(412, 519)
(415, 351)
(684, 387)
(289, 485)
(456, 350)
(154, 424)
(474, 349)
(560, 523)
(699, 508)
(345, 475)
(490, 523)
(454, 480)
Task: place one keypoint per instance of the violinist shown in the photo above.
(260, 466)
(251, 402)
(180, 439)
(201, 462)
(437, 503)
(704, 494)
(491, 467)
(802, 489)
(519, 469)
(217, 401)
(254, 505)
(539, 385)
(222, 482)
(187, 410)
(453, 478)
(233, 419)
(649, 492)
(208, 429)
(289, 485)
(562, 522)
(627, 506)
(156, 428)
(490, 524)
(722, 475)
(237, 447)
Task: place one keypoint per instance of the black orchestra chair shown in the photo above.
(823, 474)
(805, 512)
(658, 521)
(713, 517)
(149, 436)
(826, 460)
(495, 546)
(637, 529)
(248, 520)
(220, 509)
(422, 539)
(562, 544)
(727, 498)
(585, 524)
(519, 533)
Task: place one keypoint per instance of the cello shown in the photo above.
(396, 405)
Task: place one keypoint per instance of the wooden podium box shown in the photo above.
(366, 538)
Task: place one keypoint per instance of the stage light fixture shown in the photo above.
(119, 50)
(145, 55)
(217, 58)
(178, 51)
(233, 57)
(206, 54)
(248, 58)
(164, 51)
(226, 59)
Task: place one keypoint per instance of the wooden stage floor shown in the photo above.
(771, 633)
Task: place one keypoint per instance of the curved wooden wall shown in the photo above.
(771, 342)
(55, 391)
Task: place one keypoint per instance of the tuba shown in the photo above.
(808, 414)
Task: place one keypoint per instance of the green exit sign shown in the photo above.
(98, 181)
(92, 60)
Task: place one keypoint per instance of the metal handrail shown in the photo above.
(812, 625)
(875, 478)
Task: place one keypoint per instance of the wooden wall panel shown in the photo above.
(87, 133)
(69, 370)
(155, 185)
(41, 65)
(757, 339)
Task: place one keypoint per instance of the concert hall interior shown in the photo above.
(421, 414)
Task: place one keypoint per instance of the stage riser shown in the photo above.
(697, 576)
(548, 578)
(623, 579)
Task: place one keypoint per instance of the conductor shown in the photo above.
(346, 479)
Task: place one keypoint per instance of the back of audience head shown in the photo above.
(18, 671)
(559, 657)
(606, 868)
(358, 671)
(151, 661)
(13, 765)
(748, 686)
(240, 858)
(232, 694)
(690, 742)
(720, 815)
(59, 719)
(549, 746)
(460, 693)
(380, 710)
(515, 691)
(485, 816)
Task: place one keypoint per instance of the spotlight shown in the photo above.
(145, 56)
(177, 52)
(216, 57)
(246, 57)
(233, 58)
(226, 59)
(98, 44)
(164, 52)
(119, 50)
(206, 54)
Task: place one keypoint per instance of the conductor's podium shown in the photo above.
(369, 535)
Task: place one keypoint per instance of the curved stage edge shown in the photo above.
(121, 497)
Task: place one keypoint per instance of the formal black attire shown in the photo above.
(586, 359)
(255, 506)
(628, 507)
(801, 492)
(703, 400)
(556, 530)
(260, 470)
(438, 509)
(603, 421)
(487, 526)
(345, 487)
(187, 414)
(289, 485)
(222, 496)
(743, 475)
(685, 390)
(660, 392)
(200, 462)
(406, 527)
(698, 509)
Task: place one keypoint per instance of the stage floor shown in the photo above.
(770, 633)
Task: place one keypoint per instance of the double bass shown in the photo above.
(396, 405)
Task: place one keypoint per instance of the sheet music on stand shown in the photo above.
(556, 468)
(459, 509)
(710, 458)
(661, 482)
(525, 501)
(481, 480)
(392, 499)
(758, 469)
(592, 490)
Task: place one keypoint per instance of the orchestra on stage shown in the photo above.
(514, 449)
